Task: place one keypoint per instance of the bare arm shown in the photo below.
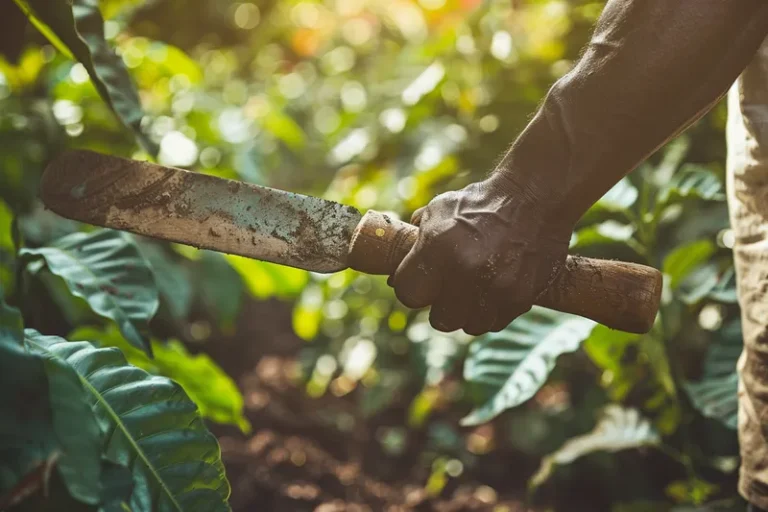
(486, 252)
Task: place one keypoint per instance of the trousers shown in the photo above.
(747, 186)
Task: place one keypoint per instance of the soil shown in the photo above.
(320, 454)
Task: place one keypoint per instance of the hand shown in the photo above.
(482, 258)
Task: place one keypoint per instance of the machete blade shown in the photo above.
(200, 210)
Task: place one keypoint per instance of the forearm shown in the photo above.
(651, 69)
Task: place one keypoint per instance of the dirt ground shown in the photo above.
(321, 455)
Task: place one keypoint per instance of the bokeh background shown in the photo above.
(325, 393)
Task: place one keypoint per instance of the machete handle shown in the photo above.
(619, 295)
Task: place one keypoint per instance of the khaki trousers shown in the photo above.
(747, 186)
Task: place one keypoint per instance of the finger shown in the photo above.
(451, 309)
(417, 216)
(482, 318)
(507, 314)
(417, 280)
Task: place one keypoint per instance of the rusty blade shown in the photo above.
(200, 210)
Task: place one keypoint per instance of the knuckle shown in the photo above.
(474, 330)
(409, 297)
(443, 326)
(442, 322)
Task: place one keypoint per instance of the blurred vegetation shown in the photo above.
(378, 105)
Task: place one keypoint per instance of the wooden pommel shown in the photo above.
(623, 296)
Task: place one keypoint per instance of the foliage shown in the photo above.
(106, 269)
(518, 361)
(378, 105)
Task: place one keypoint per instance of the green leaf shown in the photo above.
(619, 429)
(105, 268)
(684, 259)
(620, 197)
(47, 414)
(173, 281)
(725, 290)
(606, 347)
(284, 128)
(673, 156)
(699, 283)
(214, 392)
(517, 361)
(605, 233)
(715, 395)
(76, 28)
(691, 182)
(117, 487)
(264, 279)
(154, 429)
(26, 425)
(220, 287)
(76, 428)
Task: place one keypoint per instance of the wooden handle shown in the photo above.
(623, 296)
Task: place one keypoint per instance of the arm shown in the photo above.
(652, 68)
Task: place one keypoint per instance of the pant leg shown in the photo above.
(748, 205)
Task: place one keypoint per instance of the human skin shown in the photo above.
(652, 68)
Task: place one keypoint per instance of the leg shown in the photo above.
(748, 205)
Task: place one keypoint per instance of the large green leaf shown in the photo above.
(220, 288)
(76, 27)
(691, 182)
(619, 198)
(699, 283)
(47, 414)
(715, 394)
(154, 429)
(726, 289)
(7, 249)
(173, 281)
(105, 268)
(214, 392)
(26, 427)
(684, 259)
(604, 233)
(619, 429)
(517, 361)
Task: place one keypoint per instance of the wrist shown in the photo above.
(530, 202)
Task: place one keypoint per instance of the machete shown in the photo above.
(305, 232)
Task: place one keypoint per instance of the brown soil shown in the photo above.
(321, 455)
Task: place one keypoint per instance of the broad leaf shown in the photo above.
(619, 429)
(605, 233)
(517, 361)
(726, 289)
(265, 279)
(77, 431)
(708, 281)
(48, 414)
(76, 28)
(26, 426)
(173, 281)
(619, 198)
(105, 268)
(155, 429)
(691, 182)
(684, 259)
(606, 347)
(715, 395)
(214, 392)
(220, 288)
(699, 283)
